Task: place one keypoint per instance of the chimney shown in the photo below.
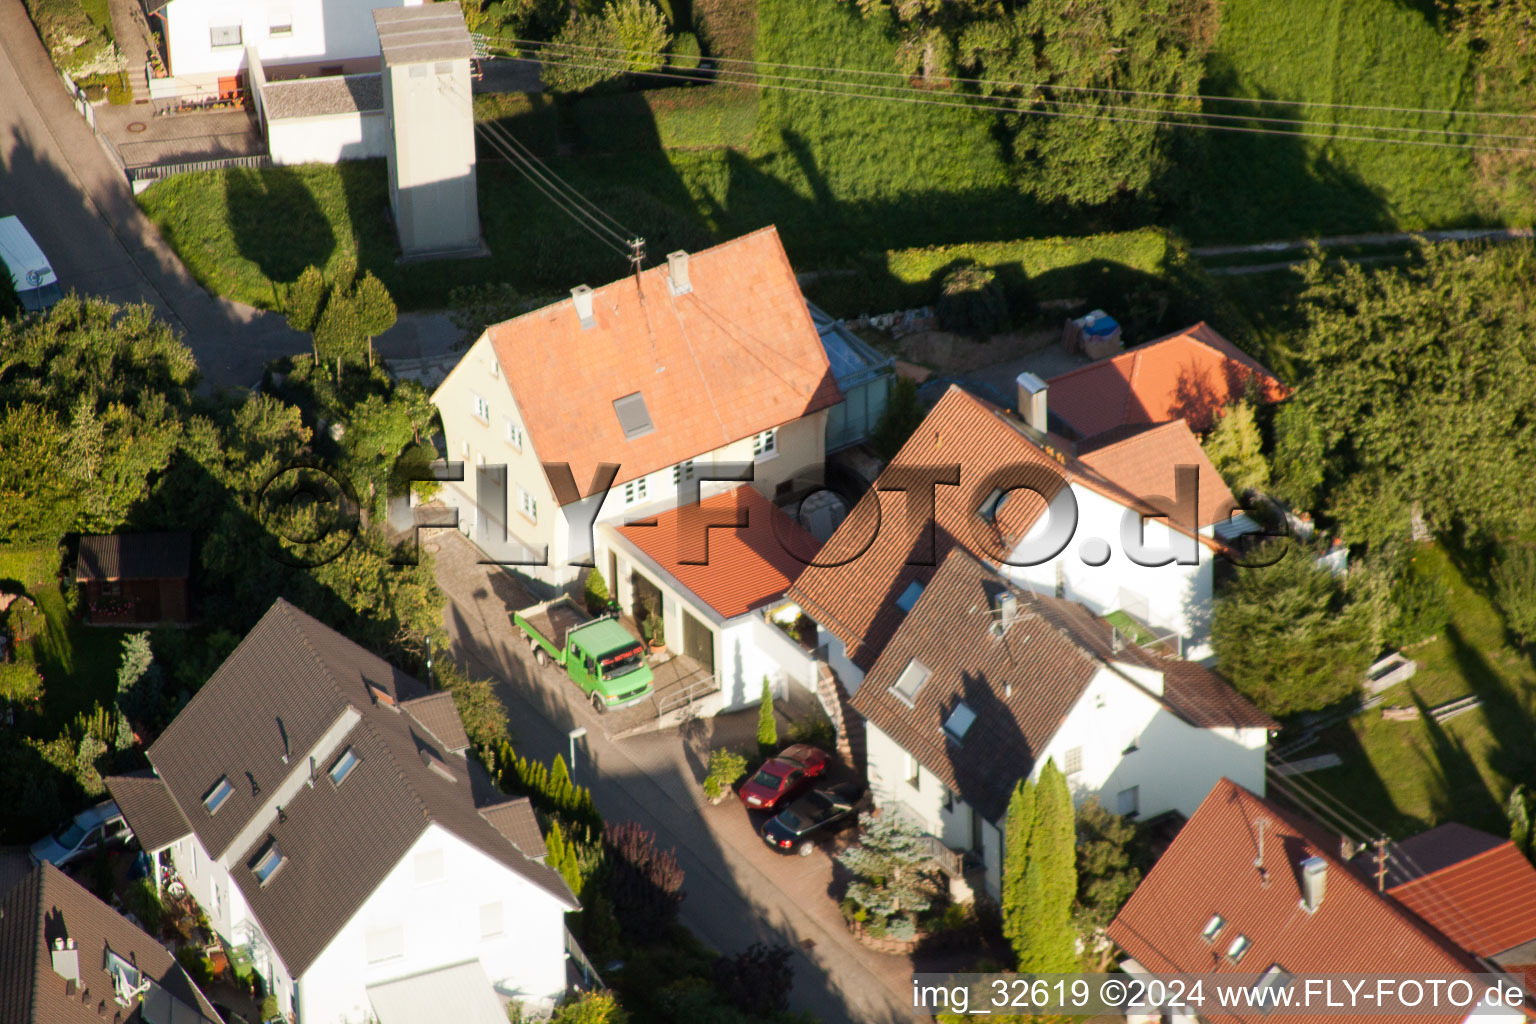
(1314, 883)
(677, 273)
(66, 960)
(1032, 408)
(1005, 608)
(581, 295)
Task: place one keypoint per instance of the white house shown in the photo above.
(206, 40)
(624, 401)
(984, 682)
(1113, 528)
(317, 803)
(720, 568)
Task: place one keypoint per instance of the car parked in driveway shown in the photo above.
(784, 776)
(91, 829)
(814, 816)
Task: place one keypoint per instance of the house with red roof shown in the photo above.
(1249, 889)
(1189, 375)
(629, 399)
(719, 569)
(1131, 528)
(984, 682)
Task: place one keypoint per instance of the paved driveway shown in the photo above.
(738, 890)
(55, 176)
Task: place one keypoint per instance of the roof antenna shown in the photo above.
(636, 255)
(283, 732)
(1258, 861)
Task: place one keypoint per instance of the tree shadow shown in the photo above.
(276, 222)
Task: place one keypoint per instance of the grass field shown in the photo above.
(1405, 776)
(78, 662)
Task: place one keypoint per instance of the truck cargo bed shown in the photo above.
(557, 619)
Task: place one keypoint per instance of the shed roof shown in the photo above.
(1485, 901)
(152, 812)
(425, 32)
(318, 97)
(134, 556)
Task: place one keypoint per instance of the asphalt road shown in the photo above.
(56, 177)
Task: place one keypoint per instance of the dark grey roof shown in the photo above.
(134, 556)
(317, 97)
(149, 808)
(437, 713)
(47, 905)
(427, 32)
(1021, 686)
(339, 841)
(515, 820)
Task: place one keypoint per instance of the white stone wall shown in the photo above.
(354, 136)
(333, 31)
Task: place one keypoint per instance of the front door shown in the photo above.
(698, 642)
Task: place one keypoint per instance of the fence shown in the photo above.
(590, 979)
(83, 105)
(159, 171)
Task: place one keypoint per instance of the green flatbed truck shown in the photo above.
(598, 654)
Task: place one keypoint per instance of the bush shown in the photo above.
(591, 1008)
(684, 54)
(269, 1007)
(595, 593)
(725, 768)
(903, 412)
(646, 883)
(767, 726)
(118, 93)
(757, 980)
(1418, 609)
(20, 683)
(143, 901)
(972, 302)
(483, 713)
(198, 966)
(1514, 591)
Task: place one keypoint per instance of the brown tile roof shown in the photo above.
(730, 570)
(1020, 686)
(152, 812)
(882, 546)
(134, 556)
(340, 841)
(737, 355)
(437, 713)
(1209, 869)
(1187, 375)
(1145, 464)
(47, 905)
(1485, 903)
(515, 820)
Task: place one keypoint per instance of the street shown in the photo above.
(55, 176)
(738, 890)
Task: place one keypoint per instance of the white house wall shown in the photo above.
(354, 136)
(441, 925)
(333, 32)
(1177, 597)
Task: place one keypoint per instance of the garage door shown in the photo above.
(698, 642)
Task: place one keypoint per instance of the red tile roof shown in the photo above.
(1188, 376)
(881, 548)
(737, 355)
(731, 569)
(1486, 903)
(1145, 465)
(1209, 870)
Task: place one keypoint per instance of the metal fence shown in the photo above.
(156, 172)
(83, 105)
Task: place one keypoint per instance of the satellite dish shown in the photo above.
(34, 277)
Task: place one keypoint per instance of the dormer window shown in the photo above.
(215, 797)
(992, 505)
(910, 681)
(1238, 948)
(1212, 928)
(268, 861)
(343, 766)
(959, 722)
(909, 596)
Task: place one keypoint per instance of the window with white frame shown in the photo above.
(225, 35)
(464, 448)
(1072, 761)
(634, 491)
(386, 942)
(1129, 801)
(914, 772)
(281, 24)
(430, 867)
(766, 444)
(482, 409)
(491, 920)
(528, 504)
(682, 472)
(514, 434)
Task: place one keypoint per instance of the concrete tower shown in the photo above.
(426, 52)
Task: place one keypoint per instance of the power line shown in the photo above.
(579, 216)
(1000, 104)
(571, 190)
(1007, 84)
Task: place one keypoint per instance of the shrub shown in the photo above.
(903, 412)
(595, 593)
(767, 727)
(269, 1007)
(1418, 609)
(591, 1008)
(483, 713)
(118, 93)
(972, 302)
(646, 883)
(725, 768)
(20, 683)
(1514, 590)
(757, 980)
(684, 54)
(1235, 448)
(199, 967)
(143, 901)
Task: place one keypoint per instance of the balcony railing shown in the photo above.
(590, 979)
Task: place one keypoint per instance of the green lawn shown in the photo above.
(78, 662)
(1405, 776)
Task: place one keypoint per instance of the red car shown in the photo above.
(782, 777)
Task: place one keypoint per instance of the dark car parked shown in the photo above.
(817, 814)
(782, 777)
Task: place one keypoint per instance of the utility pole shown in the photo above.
(1380, 846)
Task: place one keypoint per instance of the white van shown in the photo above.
(37, 286)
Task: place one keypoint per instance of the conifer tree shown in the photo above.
(767, 728)
(1016, 829)
(1049, 943)
(561, 792)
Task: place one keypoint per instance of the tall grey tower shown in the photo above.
(426, 52)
